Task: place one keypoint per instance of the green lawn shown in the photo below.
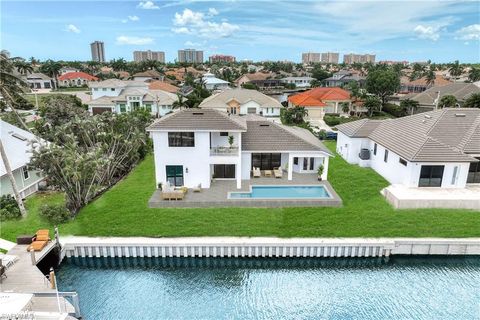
(122, 211)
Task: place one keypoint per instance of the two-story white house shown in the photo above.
(299, 82)
(119, 96)
(242, 102)
(438, 150)
(198, 146)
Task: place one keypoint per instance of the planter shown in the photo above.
(319, 178)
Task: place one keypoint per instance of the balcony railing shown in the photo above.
(224, 151)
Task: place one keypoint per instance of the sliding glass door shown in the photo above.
(474, 172)
(431, 176)
(224, 171)
(266, 161)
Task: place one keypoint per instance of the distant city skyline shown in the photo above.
(440, 31)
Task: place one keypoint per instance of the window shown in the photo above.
(104, 89)
(474, 172)
(305, 163)
(148, 107)
(295, 161)
(385, 156)
(181, 139)
(375, 149)
(112, 89)
(123, 108)
(266, 161)
(223, 134)
(95, 89)
(431, 176)
(26, 174)
(403, 161)
(312, 162)
(224, 171)
(175, 175)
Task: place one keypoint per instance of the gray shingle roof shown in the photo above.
(446, 135)
(198, 119)
(243, 96)
(264, 135)
(461, 91)
(359, 129)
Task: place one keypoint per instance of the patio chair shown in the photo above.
(37, 245)
(256, 172)
(173, 195)
(278, 172)
(198, 188)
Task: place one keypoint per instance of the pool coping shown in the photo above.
(280, 186)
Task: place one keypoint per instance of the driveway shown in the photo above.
(319, 125)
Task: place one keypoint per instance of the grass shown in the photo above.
(123, 211)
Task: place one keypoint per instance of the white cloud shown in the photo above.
(191, 22)
(471, 32)
(427, 32)
(72, 28)
(212, 11)
(133, 18)
(122, 40)
(147, 5)
(194, 44)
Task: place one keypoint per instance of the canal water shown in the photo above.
(246, 288)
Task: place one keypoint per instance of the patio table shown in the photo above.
(268, 173)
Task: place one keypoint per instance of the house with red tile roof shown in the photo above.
(320, 101)
(75, 79)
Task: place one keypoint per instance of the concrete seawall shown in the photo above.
(265, 247)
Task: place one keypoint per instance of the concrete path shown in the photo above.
(6, 245)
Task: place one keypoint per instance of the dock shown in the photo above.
(25, 277)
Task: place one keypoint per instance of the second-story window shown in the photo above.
(181, 139)
(223, 134)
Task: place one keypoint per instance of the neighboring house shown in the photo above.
(121, 96)
(320, 101)
(420, 85)
(191, 147)
(434, 149)
(252, 77)
(162, 85)
(243, 101)
(148, 75)
(299, 82)
(213, 83)
(17, 144)
(65, 70)
(40, 81)
(429, 98)
(180, 73)
(344, 77)
(75, 79)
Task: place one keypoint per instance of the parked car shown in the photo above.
(327, 135)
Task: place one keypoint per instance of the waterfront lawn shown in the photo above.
(123, 211)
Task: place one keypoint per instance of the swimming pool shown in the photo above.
(282, 192)
(274, 288)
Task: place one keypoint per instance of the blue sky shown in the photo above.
(442, 31)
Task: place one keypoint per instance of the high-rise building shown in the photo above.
(98, 51)
(311, 57)
(190, 56)
(358, 58)
(139, 56)
(330, 57)
(221, 58)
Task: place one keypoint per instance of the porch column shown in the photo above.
(238, 173)
(325, 168)
(290, 166)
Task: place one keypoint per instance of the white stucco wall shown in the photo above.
(349, 148)
(246, 164)
(105, 92)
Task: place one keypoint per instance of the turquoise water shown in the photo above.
(283, 192)
(241, 288)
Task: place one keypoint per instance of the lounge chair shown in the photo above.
(198, 188)
(37, 245)
(278, 172)
(40, 240)
(256, 172)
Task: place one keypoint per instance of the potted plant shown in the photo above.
(230, 141)
(320, 172)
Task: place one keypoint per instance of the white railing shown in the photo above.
(224, 151)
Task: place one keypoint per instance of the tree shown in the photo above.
(345, 107)
(447, 101)
(320, 74)
(16, 193)
(474, 74)
(180, 103)
(118, 64)
(295, 115)
(315, 83)
(23, 67)
(372, 104)
(456, 69)
(409, 106)
(473, 101)
(52, 69)
(430, 77)
(382, 83)
(89, 154)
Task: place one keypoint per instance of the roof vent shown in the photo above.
(460, 115)
(264, 125)
(427, 116)
(198, 113)
(19, 137)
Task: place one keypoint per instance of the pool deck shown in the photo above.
(217, 195)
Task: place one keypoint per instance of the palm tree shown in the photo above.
(180, 103)
(430, 77)
(456, 69)
(372, 104)
(118, 64)
(474, 74)
(409, 106)
(23, 67)
(299, 114)
(52, 69)
(473, 101)
(345, 107)
(447, 101)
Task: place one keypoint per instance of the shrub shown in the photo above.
(331, 120)
(394, 110)
(9, 208)
(55, 213)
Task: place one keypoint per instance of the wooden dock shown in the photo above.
(23, 277)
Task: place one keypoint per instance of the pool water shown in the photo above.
(268, 288)
(283, 192)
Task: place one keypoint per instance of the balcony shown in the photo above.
(224, 151)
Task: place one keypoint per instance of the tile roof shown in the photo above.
(460, 90)
(148, 73)
(197, 120)
(447, 135)
(220, 100)
(38, 75)
(439, 81)
(162, 85)
(318, 96)
(264, 135)
(76, 75)
(359, 129)
(256, 76)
